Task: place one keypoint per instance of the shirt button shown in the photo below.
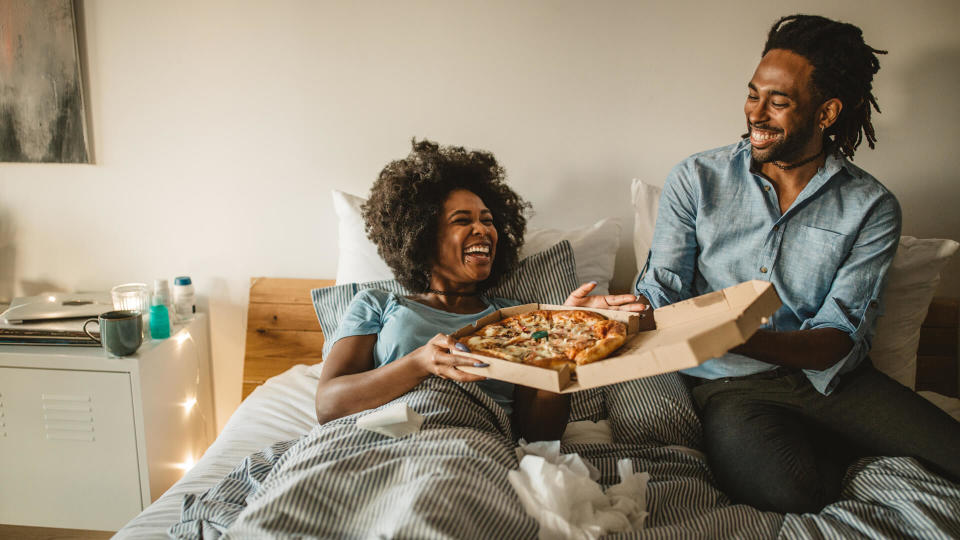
(763, 269)
(766, 188)
(776, 227)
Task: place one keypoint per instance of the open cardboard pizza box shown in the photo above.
(678, 336)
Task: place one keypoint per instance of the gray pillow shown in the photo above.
(546, 277)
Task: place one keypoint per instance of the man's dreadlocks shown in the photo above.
(843, 68)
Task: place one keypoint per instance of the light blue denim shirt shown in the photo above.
(719, 224)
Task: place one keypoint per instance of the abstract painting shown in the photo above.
(42, 118)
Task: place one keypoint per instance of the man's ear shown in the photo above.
(828, 113)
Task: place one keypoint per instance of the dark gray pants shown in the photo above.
(774, 442)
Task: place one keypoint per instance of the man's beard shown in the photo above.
(786, 150)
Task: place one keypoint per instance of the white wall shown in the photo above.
(219, 128)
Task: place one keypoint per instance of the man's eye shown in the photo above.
(751, 97)
(779, 105)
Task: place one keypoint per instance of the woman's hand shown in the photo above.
(434, 358)
(620, 302)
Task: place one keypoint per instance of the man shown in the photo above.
(785, 413)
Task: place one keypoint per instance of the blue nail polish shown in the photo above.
(461, 347)
(480, 364)
(592, 282)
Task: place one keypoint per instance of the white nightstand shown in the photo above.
(88, 441)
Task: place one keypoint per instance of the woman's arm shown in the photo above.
(349, 383)
(540, 415)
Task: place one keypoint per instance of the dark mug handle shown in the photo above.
(88, 321)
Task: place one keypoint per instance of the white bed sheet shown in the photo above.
(278, 410)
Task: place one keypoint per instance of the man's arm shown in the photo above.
(668, 277)
(816, 349)
(840, 332)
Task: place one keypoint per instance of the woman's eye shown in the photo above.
(487, 221)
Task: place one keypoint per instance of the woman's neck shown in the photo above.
(455, 298)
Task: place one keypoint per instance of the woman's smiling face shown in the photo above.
(466, 242)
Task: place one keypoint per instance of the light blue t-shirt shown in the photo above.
(720, 224)
(403, 325)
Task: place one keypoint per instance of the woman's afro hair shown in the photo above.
(403, 211)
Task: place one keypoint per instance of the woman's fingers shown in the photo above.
(455, 374)
(445, 366)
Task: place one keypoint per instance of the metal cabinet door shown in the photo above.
(68, 453)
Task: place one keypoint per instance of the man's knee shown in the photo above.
(761, 457)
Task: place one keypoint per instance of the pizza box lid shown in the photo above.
(678, 336)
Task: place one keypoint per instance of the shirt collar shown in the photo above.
(831, 166)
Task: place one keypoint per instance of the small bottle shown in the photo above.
(161, 288)
(159, 321)
(183, 299)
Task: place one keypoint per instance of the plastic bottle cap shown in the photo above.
(182, 280)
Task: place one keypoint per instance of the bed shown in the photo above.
(654, 426)
(274, 472)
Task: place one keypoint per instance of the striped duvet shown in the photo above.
(450, 479)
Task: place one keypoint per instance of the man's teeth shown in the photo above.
(762, 136)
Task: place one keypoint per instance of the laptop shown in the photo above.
(53, 319)
(53, 306)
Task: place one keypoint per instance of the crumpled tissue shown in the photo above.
(561, 492)
(394, 420)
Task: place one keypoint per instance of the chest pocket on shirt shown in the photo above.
(808, 263)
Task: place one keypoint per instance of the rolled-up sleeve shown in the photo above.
(667, 277)
(853, 302)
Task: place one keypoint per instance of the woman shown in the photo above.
(448, 226)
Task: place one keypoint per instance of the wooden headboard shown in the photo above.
(282, 328)
(282, 331)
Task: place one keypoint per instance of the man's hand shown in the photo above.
(621, 302)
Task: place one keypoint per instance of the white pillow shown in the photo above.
(594, 247)
(646, 200)
(911, 283)
(358, 260)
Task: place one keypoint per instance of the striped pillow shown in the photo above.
(546, 277)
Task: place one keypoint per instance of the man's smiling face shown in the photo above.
(781, 110)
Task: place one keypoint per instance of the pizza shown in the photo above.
(549, 339)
